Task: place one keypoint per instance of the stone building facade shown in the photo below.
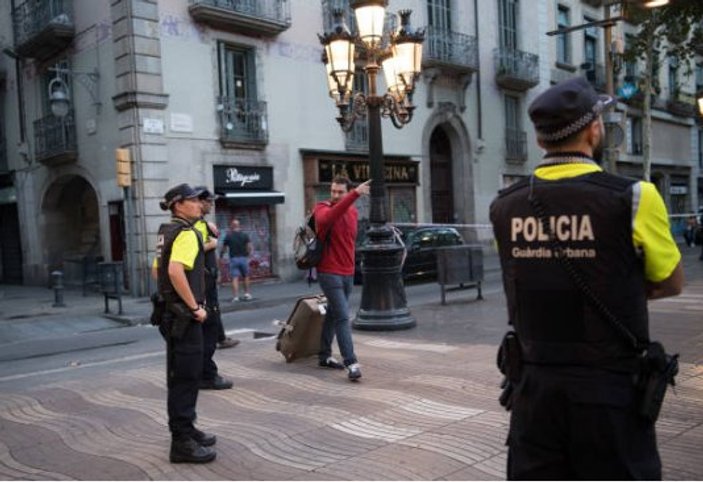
(232, 94)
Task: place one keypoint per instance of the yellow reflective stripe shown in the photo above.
(651, 233)
(201, 226)
(185, 248)
(562, 171)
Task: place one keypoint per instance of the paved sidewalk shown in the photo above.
(425, 408)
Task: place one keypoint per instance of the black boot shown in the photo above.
(204, 439)
(187, 450)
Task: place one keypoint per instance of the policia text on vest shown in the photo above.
(566, 228)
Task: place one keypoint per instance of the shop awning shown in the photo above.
(250, 198)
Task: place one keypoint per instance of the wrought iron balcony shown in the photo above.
(515, 146)
(243, 123)
(43, 27)
(682, 104)
(357, 138)
(55, 139)
(452, 52)
(250, 17)
(515, 69)
(595, 74)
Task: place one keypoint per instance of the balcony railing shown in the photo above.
(452, 51)
(55, 139)
(682, 104)
(243, 122)
(358, 137)
(595, 74)
(250, 17)
(515, 145)
(515, 69)
(43, 28)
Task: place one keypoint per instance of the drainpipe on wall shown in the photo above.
(479, 116)
(19, 80)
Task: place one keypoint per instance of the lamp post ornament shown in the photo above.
(383, 302)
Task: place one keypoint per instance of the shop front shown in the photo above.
(246, 193)
(401, 178)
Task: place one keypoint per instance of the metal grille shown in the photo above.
(517, 63)
(33, 16)
(243, 120)
(277, 10)
(54, 135)
(451, 47)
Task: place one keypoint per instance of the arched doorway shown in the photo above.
(441, 178)
(71, 227)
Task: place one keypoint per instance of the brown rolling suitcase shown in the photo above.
(300, 336)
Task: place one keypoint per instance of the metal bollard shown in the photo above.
(57, 284)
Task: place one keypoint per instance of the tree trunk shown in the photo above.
(647, 107)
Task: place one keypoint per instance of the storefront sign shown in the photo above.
(396, 172)
(238, 178)
(679, 190)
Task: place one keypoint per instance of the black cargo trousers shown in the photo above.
(577, 423)
(211, 327)
(184, 358)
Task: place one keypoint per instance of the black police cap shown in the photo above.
(205, 193)
(178, 193)
(566, 108)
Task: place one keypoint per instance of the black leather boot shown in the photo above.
(204, 439)
(187, 450)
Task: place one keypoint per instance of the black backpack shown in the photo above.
(307, 247)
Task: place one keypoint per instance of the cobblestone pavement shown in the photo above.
(425, 409)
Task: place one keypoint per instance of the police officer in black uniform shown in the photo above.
(574, 403)
(211, 379)
(181, 284)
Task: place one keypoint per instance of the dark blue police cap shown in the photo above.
(178, 193)
(205, 193)
(566, 108)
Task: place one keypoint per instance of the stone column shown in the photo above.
(140, 101)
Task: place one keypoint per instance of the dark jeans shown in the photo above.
(579, 424)
(184, 358)
(211, 328)
(337, 289)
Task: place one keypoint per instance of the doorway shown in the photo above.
(442, 195)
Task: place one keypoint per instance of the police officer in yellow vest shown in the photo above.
(574, 408)
(181, 284)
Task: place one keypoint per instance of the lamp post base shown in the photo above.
(383, 302)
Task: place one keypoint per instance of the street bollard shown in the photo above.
(57, 283)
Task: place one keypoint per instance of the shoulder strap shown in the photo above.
(576, 276)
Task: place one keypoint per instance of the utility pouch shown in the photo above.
(183, 317)
(509, 361)
(658, 369)
(158, 310)
(510, 357)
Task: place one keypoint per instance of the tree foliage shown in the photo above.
(674, 30)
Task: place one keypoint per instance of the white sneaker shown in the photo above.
(235, 299)
(354, 372)
(246, 296)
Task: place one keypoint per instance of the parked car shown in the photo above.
(421, 242)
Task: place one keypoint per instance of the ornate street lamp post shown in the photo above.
(383, 302)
